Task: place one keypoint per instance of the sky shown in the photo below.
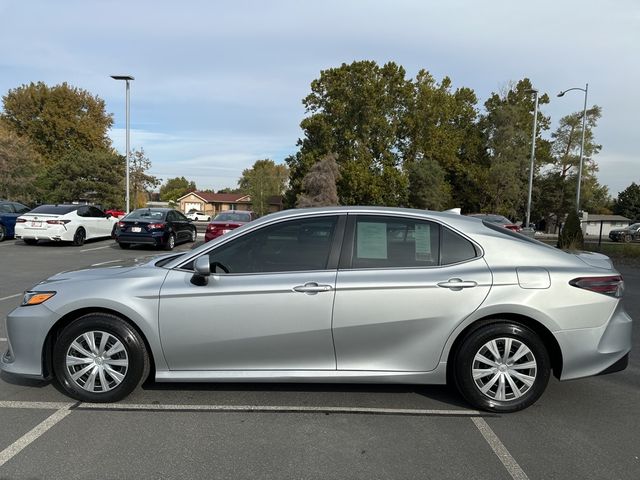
(219, 84)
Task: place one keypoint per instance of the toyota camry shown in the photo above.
(344, 294)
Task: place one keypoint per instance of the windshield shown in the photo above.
(634, 226)
(233, 217)
(145, 214)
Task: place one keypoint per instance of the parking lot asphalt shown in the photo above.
(583, 429)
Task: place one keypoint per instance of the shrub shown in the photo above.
(570, 237)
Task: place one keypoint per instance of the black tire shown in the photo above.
(124, 246)
(79, 237)
(171, 242)
(627, 238)
(135, 354)
(3, 233)
(30, 241)
(476, 342)
(194, 235)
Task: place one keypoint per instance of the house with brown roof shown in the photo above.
(213, 203)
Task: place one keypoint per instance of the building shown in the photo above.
(214, 203)
(591, 223)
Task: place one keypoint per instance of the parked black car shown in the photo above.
(627, 234)
(160, 227)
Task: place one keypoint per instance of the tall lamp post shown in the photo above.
(584, 123)
(533, 155)
(127, 79)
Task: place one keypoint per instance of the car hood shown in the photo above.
(120, 268)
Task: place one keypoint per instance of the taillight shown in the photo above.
(155, 226)
(121, 224)
(612, 285)
(58, 222)
(21, 220)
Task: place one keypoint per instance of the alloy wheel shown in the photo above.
(97, 361)
(504, 369)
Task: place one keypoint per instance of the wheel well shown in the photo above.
(555, 354)
(54, 332)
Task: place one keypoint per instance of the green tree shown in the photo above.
(356, 111)
(319, 187)
(97, 176)
(175, 188)
(20, 165)
(628, 202)
(428, 187)
(263, 180)
(570, 237)
(141, 183)
(507, 126)
(229, 190)
(57, 120)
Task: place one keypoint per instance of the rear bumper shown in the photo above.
(148, 239)
(594, 351)
(55, 234)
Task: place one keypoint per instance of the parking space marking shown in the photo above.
(276, 408)
(35, 405)
(10, 296)
(500, 450)
(33, 434)
(106, 263)
(96, 248)
(3, 339)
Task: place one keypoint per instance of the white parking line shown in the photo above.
(10, 296)
(97, 248)
(3, 340)
(35, 405)
(33, 434)
(499, 449)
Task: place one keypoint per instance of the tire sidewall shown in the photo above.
(79, 237)
(472, 344)
(133, 343)
(3, 233)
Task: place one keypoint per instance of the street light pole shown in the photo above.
(126, 78)
(533, 156)
(584, 127)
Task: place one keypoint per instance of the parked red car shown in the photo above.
(115, 212)
(225, 222)
(498, 220)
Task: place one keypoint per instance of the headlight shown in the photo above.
(36, 298)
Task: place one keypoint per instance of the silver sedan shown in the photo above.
(353, 294)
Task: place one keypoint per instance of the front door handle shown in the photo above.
(457, 284)
(312, 288)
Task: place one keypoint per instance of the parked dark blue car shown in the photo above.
(9, 211)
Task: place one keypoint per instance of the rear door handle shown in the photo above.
(312, 288)
(457, 284)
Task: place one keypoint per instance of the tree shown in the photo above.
(507, 126)
(628, 202)
(175, 188)
(319, 184)
(57, 120)
(229, 190)
(428, 187)
(570, 237)
(96, 176)
(140, 181)
(356, 111)
(19, 168)
(263, 180)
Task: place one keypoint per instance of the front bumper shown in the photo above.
(593, 351)
(27, 329)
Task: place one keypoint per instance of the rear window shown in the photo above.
(511, 233)
(233, 217)
(55, 209)
(145, 214)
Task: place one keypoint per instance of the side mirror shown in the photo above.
(202, 270)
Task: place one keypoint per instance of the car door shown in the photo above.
(271, 311)
(402, 287)
(182, 225)
(87, 221)
(102, 224)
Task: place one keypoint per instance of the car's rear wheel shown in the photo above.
(3, 233)
(502, 367)
(79, 237)
(100, 358)
(30, 241)
(171, 242)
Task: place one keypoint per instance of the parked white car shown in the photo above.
(198, 216)
(65, 223)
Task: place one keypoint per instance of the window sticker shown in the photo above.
(423, 242)
(372, 240)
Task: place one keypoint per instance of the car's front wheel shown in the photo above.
(502, 367)
(627, 238)
(100, 358)
(3, 233)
